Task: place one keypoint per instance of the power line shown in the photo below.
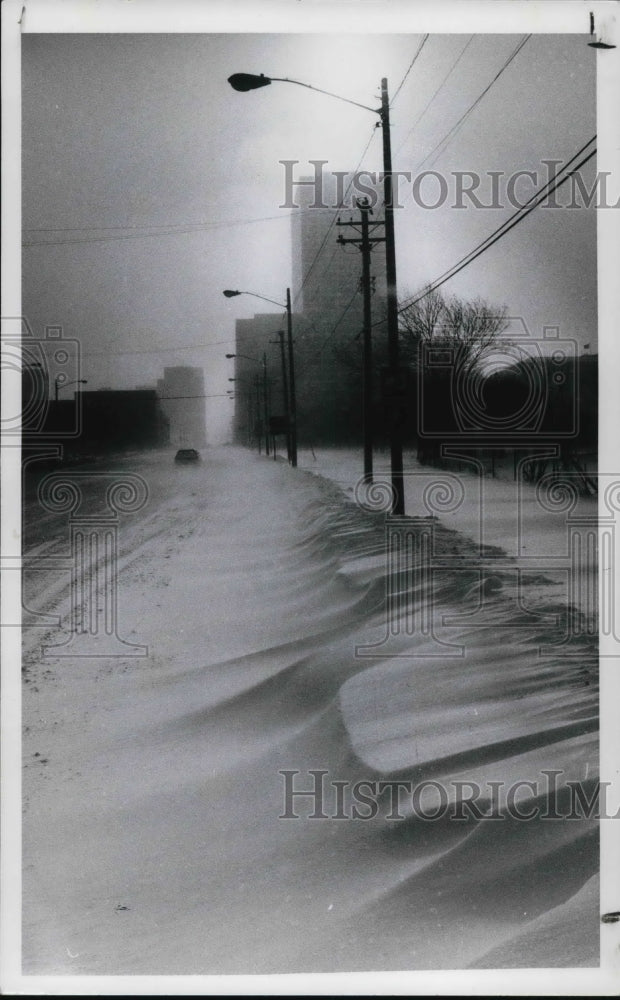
(538, 196)
(510, 223)
(453, 130)
(158, 350)
(152, 225)
(428, 104)
(333, 329)
(333, 221)
(521, 212)
(195, 228)
(339, 320)
(552, 184)
(170, 350)
(411, 65)
(213, 395)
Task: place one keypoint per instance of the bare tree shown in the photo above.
(468, 329)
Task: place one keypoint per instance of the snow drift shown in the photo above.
(153, 837)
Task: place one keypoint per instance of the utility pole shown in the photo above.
(396, 440)
(395, 381)
(265, 403)
(291, 373)
(250, 417)
(285, 395)
(257, 417)
(365, 244)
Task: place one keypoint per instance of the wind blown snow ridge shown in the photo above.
(274, 652)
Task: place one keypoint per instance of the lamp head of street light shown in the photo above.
(230, 293)
(248, 81)
(231, 355)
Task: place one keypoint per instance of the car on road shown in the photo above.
(187, 455)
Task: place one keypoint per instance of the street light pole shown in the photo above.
(291, 375)
(364, 208)
(265, 403)
(285, 393)
(396, 444)
(263, 362)
(249, 81)
(258, 416)
(59, 384)
(291, 408)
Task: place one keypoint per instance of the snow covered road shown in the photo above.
(154, 785)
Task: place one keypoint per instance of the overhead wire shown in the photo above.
(411, 65)
(521, 213)
(442, 142)
(332, 221)
(329, 231)
(434, 95)
(447, 138)
(332, 331)
(184, 229)
(489, 241)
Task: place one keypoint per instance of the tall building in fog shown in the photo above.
(327, 326)
(326, 276)
(182, 394)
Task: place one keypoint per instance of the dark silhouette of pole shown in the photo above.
(396, 444)
(287, 411)
(364, 208)
(250, 81)
(289, 389)
(253, 422)
(249, 417)
(257, 417)
(364, 241)
(291, 373)
(258, 361)
(58, 385)
(265, 403)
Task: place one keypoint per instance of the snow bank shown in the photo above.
(154, 791)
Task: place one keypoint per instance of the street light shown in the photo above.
(262, 362)
(246, 356)
(292, 399)
(600, 42)
(60, 384)
(248, 81)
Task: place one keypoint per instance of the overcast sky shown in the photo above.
(126, 132)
